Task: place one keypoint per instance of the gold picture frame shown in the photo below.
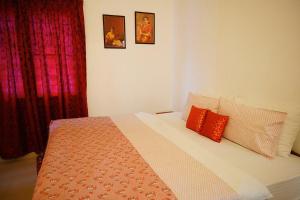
(144, 28)
(114, 33)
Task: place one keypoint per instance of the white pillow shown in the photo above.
(296, 147)
(254, 128)
(291, 127)
(201, 102)
(289, 134)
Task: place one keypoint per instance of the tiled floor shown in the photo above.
(17, 178)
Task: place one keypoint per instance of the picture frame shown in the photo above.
(144, 27)
(114, 33)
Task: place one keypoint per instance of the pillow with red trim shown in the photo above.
(254, 128)
(214, 126)
(196, 118)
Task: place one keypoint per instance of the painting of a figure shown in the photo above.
(114, 31)
(144, 28)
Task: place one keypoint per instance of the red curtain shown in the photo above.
(42, 70)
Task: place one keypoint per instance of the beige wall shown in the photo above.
(248, 49)
(134, 79)
(196, 48)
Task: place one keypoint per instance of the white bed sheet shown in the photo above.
(280, 175)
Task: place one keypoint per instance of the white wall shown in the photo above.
(195, 56)
(134, 79)
(249, 49)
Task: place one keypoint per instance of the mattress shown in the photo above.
(280, 175)
(145, 156)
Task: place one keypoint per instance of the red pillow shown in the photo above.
(214, 126)
(196, 118)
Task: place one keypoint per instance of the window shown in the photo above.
(52, 56)
(11, 79)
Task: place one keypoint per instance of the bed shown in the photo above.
(145, 156)
(280, 175)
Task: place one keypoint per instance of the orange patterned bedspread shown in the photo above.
(90, 158)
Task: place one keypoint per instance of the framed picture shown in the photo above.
(144, 28)
(114, 31)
